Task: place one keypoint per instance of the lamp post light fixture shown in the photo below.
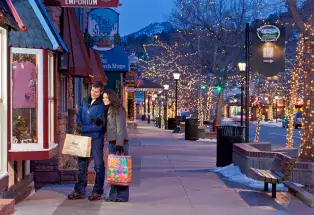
(242, 68)
(176, 77)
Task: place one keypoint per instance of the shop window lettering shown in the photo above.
(24, 98)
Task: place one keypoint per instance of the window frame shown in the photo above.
(44, 148)
(39, 93)
(63, 93)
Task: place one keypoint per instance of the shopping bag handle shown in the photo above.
(122, 153)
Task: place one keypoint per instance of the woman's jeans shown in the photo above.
(119, 192)
(97, 152)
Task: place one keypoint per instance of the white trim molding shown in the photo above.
(3, 102)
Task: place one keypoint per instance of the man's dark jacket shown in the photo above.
(89, 118)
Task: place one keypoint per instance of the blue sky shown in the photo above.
(136, 14)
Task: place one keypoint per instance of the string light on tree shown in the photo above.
(294, 86)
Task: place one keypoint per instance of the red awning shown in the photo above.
(98, 70)
(80, 65)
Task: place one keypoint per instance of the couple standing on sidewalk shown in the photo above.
(101, 113)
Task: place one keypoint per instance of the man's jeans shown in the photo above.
(119, 192)
(97, 152)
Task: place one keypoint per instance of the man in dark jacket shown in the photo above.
(89, 123)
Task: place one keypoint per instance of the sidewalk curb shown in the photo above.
(302, 194)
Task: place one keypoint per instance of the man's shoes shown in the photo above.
(75, 195)
(94, 197)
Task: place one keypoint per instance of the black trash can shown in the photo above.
(171, 123)
(191, 129)
(226, 137)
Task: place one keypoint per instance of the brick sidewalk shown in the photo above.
(170, 176)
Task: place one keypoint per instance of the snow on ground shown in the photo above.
(270, 123)
(227, 120)
(182, 137)
(233, 174)
(207, 140)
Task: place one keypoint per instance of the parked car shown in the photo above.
(185, 114)
(297, 120)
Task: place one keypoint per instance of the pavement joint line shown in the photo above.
(282, 135)
(180, 181)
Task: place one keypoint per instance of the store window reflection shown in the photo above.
(24, 98)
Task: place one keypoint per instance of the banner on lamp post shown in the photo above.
(83, 3)
(268, 50)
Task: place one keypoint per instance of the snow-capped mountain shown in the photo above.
(152, 29)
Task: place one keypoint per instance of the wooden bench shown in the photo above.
(279, 173)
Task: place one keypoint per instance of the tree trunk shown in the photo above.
(270, 111)
(294, 88)
(258, 127)
(307, 145)
(292, 5)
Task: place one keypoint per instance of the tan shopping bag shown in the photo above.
(75, 145)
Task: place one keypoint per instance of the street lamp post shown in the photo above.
(153, 111)
(276, 98)
(166, 87)
(247, 77)
(242, 68)
(159, 109)
(148, 109)
(176, 77)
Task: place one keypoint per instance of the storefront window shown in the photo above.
(33, 113)
(24, 96)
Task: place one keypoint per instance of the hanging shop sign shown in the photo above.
(83, 3)
(268, 50)
(102, 27)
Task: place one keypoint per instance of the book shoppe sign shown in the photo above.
(102, 26)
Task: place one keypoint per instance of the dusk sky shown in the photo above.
(137, 14)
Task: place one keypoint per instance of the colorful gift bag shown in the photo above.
(119, 170)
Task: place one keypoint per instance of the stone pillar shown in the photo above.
(72, 120)
(62, 125)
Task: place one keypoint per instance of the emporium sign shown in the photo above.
(83, 3)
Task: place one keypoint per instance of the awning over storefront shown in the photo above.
(7, 17)
(41, 33)
(115, 60)
(148, 85)
(98, 71)
(80, 64)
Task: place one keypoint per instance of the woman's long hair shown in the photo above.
(114, 100)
